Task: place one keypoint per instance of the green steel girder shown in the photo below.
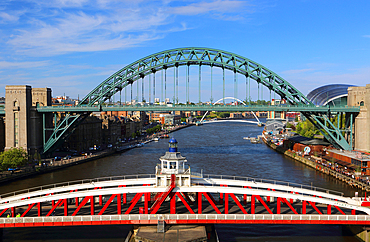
(193, 56)
(222, 108)
(334, 134)
(63, 130)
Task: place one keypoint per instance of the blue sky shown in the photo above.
(73, 45)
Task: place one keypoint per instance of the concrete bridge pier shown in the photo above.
(360, 232)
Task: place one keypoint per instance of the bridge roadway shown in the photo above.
(209, 199)
(225, 108)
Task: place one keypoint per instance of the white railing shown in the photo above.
(77, 182)
(273, 182)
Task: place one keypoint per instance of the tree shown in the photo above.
(37, 157)
(133, 135)
(13, 158)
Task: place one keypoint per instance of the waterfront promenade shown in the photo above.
(49, 165)
(321, 166)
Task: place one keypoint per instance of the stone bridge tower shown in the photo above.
(23, 125)
(360, 96)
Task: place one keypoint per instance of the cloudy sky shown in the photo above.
(73, 45)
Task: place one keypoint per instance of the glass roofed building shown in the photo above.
(332, 94)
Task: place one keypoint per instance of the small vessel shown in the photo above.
(255, 140)
(156, 139)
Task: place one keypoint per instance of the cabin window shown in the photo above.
(172, 165)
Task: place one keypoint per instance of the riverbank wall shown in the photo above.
(313, 164)
(38, 170)
(48, 166)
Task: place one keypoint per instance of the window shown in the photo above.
(165, 164)
(362, 103)
(172, 165)
(16, 128)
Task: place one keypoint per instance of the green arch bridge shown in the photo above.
(142, 74)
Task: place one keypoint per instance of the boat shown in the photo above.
(255, 140)
(156, 139)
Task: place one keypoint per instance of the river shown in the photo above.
(217, 148)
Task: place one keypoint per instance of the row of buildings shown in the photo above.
(24, 127)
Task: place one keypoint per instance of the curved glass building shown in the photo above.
(332, 94)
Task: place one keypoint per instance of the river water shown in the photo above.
(217, 148)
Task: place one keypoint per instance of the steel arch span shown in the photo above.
(194, 56)
(125, 77)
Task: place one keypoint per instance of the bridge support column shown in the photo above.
(360, 232)
(92, 202)
(199, 198)
(39, 209)
(119, 204)
(172, 203)
(65, 201)
(13, 212)
(226, 203)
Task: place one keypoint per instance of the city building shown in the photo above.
(2, 134)
(277, 114)
(333, 95)
(89, 134)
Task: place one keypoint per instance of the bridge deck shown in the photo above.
(236, 199)
(234, 108)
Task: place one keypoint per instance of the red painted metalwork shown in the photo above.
(83, 202)
(124, 196)
(220, 201)
(4, 210)
(134, 201)
(237, 203)
(210, 199)
(283, 200)
(184, 202)
(253, 210)
(313, 204)
(158, 202)
(107, 204)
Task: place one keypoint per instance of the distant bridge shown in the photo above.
(230, 120)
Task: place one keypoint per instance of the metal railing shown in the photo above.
(274, 182)
(77, 182)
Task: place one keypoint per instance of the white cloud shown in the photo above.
(5, 17)
(206, 7)
(63, 26)
(22, 65)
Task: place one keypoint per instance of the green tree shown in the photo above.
(133, 135)
(13, 158)
(224, 115)
(37, 157)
